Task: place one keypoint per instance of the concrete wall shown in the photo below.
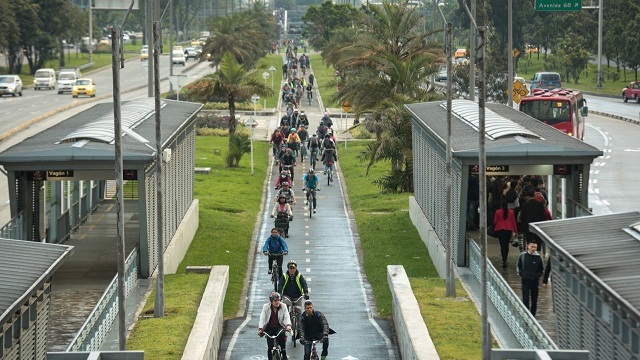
(437, 251)
(412, 334)
(204, 340)
(174, 253)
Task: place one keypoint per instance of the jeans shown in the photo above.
(303, 150)
(313, 152)
(530, 290)
(331, 166)
(311, 201)
(307, 346)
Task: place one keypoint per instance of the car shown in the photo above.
(546, 80)
(144, 54)
(125, 38)
(177, 57)
(84, 86)
(190, 53)
(104, 41)
(442, 74)
(44, 79)
(461, 53)
(631, 92)
(10, 85)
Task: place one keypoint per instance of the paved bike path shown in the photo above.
(324, 247)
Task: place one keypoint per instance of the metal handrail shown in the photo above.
(14, 229)
(94, 330)
(522, 324)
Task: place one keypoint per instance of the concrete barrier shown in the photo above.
(181, 241)
(437, 251)
(413, 337)
(205, 336)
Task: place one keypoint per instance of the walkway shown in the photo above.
(325, 248)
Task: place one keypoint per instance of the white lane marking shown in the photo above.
(308, 260)
(306, 251)
(595, 181)
(603, 163)
(605, 202)
(607, 157)
(604, 137)
(634, 150)
(308, 270)
(596, 172)
(597, 191)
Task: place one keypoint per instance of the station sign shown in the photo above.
(75, 175)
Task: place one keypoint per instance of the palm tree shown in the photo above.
(233, 82)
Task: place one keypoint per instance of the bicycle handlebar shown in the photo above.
(276, 254)
(264, 333)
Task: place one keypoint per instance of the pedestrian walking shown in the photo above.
(504, 222)
(530, 269)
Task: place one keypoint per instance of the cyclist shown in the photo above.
(326, 120)
(314, 326)
(303, 119)
(284, 177)
(311, 181)
(288, 162)
(313, 145)
(292, 284)
(311, 79)
(309, 89)
(294, 118)
(286, 191)
(321, 130)
(282, 209)
(328, 139)
(276, 139)
(329, 157)
(275, 244)
(273, 318)
(281, 153)
(293, 141)
(303, 134)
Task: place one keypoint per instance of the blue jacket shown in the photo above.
(275, 245)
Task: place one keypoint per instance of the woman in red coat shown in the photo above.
(505, 226)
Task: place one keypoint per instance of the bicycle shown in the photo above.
(295, 312)
(314, 154)
(276, 350)
(275, 270)
(309, 96)
(329, 174)
(312, 205)
(281, 223)
(314, 352)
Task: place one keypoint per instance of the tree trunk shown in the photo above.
(232, 116)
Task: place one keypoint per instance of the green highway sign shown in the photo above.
(558, 5)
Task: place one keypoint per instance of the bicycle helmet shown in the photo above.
(292, 262)
(286, 183)
(282, 196)
(311, 171)
(325, 114)
(293, 130)
(274, 296)
(296, 110)
(284, 173)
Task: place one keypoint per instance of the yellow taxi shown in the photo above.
(84, 87)
(144, 54)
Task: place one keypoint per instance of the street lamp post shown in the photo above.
(265, 76)
(255, 98)
(272, 69)
(450, 282)
(251, 123)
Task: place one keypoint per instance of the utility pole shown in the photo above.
(510, 51)
(472, 53)
(170, 44)
(599, 80)
(151, 59)
(451, 283)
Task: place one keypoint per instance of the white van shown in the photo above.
(44, 79)
(66, 79)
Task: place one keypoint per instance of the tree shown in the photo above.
(233, 82)
(322, 21)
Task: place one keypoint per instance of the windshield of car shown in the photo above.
(41, 74)
(66, 76)
(6, 79)
(83, 82)
(548, 111)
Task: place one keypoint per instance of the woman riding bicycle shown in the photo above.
(311, 181)
(284, 214)
(273, 318)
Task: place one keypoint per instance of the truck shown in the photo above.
(67, 78)
(631, 91)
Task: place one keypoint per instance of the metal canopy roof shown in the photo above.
(80, 143)
(24, 267)
(604, 247)
(510, 146)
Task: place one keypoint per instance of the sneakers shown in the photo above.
(324, 173)
(306, 202)
(314, 211)
(323, 357)
(269, 272)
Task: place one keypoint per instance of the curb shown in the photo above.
(618, 117)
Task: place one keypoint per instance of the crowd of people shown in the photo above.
(513, 203)
(294, 137)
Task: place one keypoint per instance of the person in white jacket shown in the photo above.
(275, 316)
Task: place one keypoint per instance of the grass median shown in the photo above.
(229, 204)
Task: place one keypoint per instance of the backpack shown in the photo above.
(313, 143)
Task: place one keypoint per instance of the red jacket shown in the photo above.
(509, 223)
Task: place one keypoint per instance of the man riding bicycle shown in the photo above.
(287, 192)
(293, 285)
(314, 326)
(275, 247)
(288, 162)
(303, 134)
(293, 141)
(329, 157)
(311, 181)
(313, 145)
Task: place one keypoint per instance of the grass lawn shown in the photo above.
(325, 80)
(229, 203)
(263, 65)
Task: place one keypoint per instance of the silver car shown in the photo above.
(10, 85)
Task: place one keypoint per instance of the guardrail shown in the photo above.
(94, 330)
(523, 325)
(14, 229)
(578, 209)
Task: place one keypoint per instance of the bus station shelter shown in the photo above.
(58, 176)
(516, 144)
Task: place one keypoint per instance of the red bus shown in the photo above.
(563, 109)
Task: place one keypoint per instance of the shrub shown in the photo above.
(239, 144)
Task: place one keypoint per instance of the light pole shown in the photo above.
(272, 69)
(265, 76)
(510, 52)
(255, 98)
(251, 123)
(451, 285)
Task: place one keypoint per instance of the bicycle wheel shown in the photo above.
(329, 176)
(275, 353)
(274, 277)
(294, 327)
